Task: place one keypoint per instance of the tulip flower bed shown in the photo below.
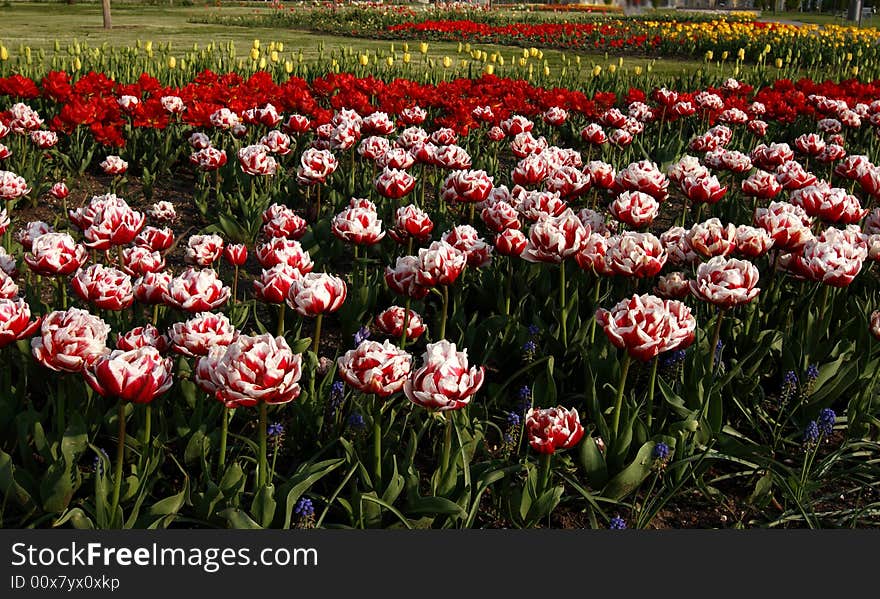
(345, 302)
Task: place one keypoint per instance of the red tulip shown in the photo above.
(555, 238)
(787, 224)
(551, 429)
(391, 321)
(196, 291)
(466, 239)
(203, 250)
(114, 223)
(444, 382)
(635, 209)
(68, 340)
(360, 226)
(439, 264)
(288, 251)
(55, 254)
(162, 213)
(255, 370)
(711, 238)
(393, 183)
(403, 278)
(114, 165)
(511, 242)
(726, 282)
(235, 253)
(500, 216)
(151, 288)
(158, 240)
(274, 284)
(138, 376)
(635, 255)
(104, 287)
(752, 242)
(255, 160)
(15, 321)
(466, 186)
(208, 159)
(317, 293)
(373, 367)
(646, 326)
(145, 336)
(198, 335)
(12, 186)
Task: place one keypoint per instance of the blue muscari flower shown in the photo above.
(513, 419)
(525, 393)
(617, 523)
(529, 347)
(362, 335)
(811, 432)
(276, 429)
(812, 372)
(661, 451)
(356, 421)
(337, 391)
(790, 378)
(99, 464)
(534, 330)
(673, 358)
(826, 420)
(304, 508)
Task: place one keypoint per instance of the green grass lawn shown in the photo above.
(817, 18)
(39, 25)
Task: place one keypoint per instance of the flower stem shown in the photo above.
(316, 342)
(445, 309)
(61, 407)
(405, 322)
(261, 475)
(715, 337)
(120, 456)
(224, 431)
(618, 403)
(148, 424)
(562, 308)
(544, 464)
(652, 382)
(235, 286)
(377, 445)
(281, 312)
(597, 286)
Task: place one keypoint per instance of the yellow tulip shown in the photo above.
(148, 46)
(271, 47)
(172, 62)
(389, 60)
(255, 54)
(467, 47)
(363, 60)
(274, 56)
(405, 47)
(546, 71)
(724, 55)
(533, 52)
(855, 70)
(597, 70)
(262, 62)
(406, 57)
(612, 68)
(500, 60)
(280, 46)
(525, 52)
(489, 69)
(4, 53)
(522, 62)
(423, 47)
(778, 63)
(493, 57)
(637, 70)
(459, 47)
(447, 62)
(288, 67)
(256, 45)
(77, 63)
(741, 54)
(709, 55)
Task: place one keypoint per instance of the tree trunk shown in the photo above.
(105, 5)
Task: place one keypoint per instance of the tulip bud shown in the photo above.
(262, 62)
(389, 61)
(489, 69)
(4, 53)
(406, 57)
(778, 63)
(447, 62)
(288, 67)
(423, 47)
(172, 62)
(256, 45)
(255, 53)
(274, 56)
(363, 60)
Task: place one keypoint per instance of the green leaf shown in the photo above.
(593, 463)
(238, 519)
(263, 506)
(544, 505)
(56, 488)
(632, 476)
(435, 505)
(302, 481)
(9, 487)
